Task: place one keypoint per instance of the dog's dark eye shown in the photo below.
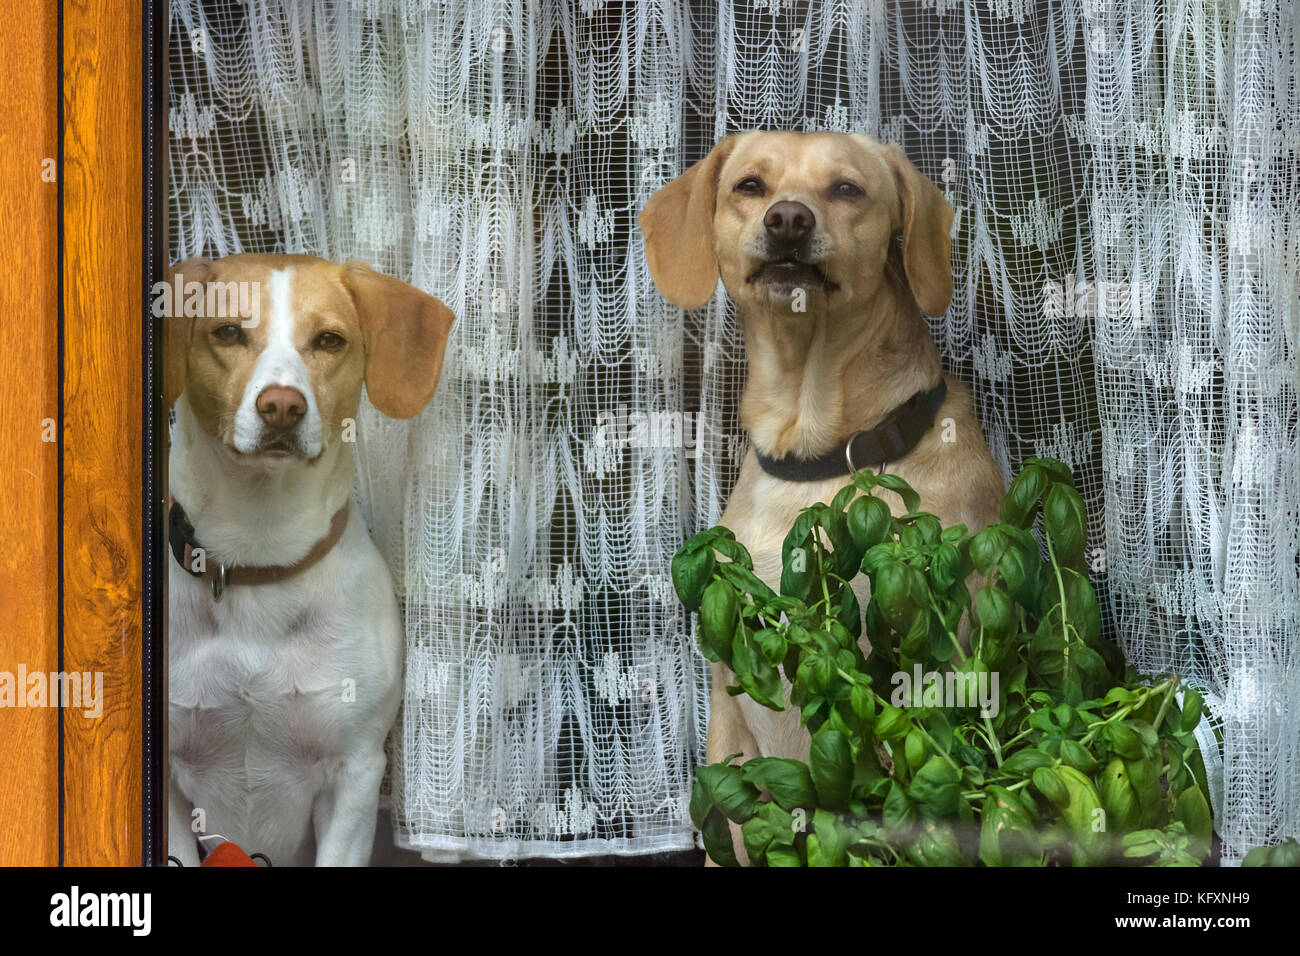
(329, 342)
(750, 185)
(848, 190)
(228, 334)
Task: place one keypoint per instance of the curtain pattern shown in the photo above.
(1125, 181)
(1194, 123)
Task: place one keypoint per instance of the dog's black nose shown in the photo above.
(788, 221)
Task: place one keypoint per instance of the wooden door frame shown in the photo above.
(30, 345)
(101, 502)
(113, 222)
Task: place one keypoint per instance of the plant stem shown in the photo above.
(1164, 705)
(1024, 733)
(1060, 586)
(1166, 688)
(993, 739)
(826, 594)
(934, 606)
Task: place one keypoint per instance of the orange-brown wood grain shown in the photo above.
(102, 425)
(29, 806)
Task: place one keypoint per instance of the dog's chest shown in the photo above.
(257, 682)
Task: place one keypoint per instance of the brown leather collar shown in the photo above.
(183, 544)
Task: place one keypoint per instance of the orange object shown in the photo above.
(228, 854)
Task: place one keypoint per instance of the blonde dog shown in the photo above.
(842, 370)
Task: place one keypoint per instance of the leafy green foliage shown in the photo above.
(1286, 853)
(1077, 760)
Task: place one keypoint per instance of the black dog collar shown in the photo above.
(898, 433)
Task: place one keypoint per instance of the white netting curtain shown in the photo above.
(1127, 188)
(1193, 117)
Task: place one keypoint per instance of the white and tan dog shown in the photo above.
(801, 228)
(285, 640)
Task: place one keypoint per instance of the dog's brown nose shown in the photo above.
(281, 407)
(788, 221)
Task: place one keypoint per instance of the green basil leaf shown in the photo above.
(1090, 662)
(1120, 695)
(756, 675)
(829, 842)
(1007, 833)
(929, 528)
(772, 827)
(1024, 762)
(719, 612)
(745, 581)
(1020, 503)
(1118, 798)
(1048, 782)
(1123, 740)
(1080, 813)
(830, 761)
(728, 791)
(898, 814)
(868, 521)
(863, 702)
(1259, 856)
(716, 832)
(1018, 567)
(848, 612)
(1192, 709)
(1286, 853)
(788, 781)
(936, 845)
(987, 548)
(916, 749)
(691, 571)
(911, 500)
(1081, 606)
(995, 612)
(701, 804)
(1067, 523)
(1058, 470)
(842, 498)
(784, 856)
(1144, 775)
(945, 567)
(1193, 812)
(917, 639)
(936, 788)
(798, 568)
(845, 554)
(1077, 756)
(773, 644)
(816, 672)
(892, 723)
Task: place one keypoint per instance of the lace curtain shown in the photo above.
(1127, 189)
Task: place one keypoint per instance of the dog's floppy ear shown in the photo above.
(677, 224)
(927, 217)
(405, 334)
(177, 326)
